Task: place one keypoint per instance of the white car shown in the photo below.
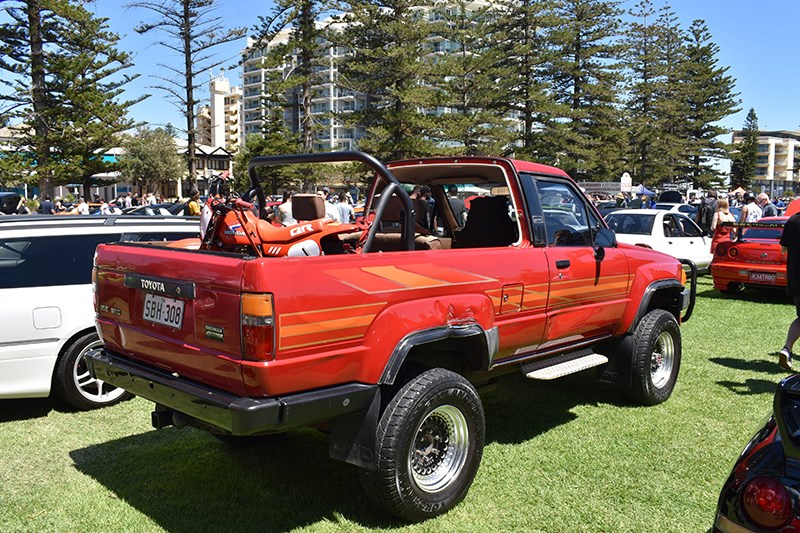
(47, 313)
(670, 232)
(687, 209)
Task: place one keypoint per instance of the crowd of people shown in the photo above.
(79, 206)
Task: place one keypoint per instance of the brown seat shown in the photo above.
(488, 224)
(307, 207)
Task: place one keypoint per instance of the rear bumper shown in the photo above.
(724, 273)
(235, 414)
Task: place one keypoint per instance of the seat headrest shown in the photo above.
(307, 207)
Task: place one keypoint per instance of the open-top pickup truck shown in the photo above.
(382, 332)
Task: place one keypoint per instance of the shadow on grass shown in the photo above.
(32, 408)
(186, 480)
(767, 295)
(25, 409)
(750, 387)
(521, 408)
(768, 366)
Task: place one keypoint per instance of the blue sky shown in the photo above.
(756, 39)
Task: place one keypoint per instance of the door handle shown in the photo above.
(562, 263)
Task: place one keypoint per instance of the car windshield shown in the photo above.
(629, 223)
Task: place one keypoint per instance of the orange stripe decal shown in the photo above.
(405, 277)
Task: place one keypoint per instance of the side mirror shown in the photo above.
(605, 238)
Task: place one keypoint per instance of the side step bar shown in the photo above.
(556, 367)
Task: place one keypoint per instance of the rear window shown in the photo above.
(631, 224)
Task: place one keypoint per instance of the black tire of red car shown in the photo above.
(429, 444)
(656, 357)
(72, 382)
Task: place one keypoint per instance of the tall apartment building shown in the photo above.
(331, 132)
(327, 97)
(219, 123)
(778, 164)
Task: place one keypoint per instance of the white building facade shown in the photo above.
(219, 123)
(778, 163)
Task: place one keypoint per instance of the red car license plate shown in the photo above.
(163, 310)
(767, 277)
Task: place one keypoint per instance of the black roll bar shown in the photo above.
(394, 186)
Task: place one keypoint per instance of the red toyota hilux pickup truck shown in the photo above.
(381, 333)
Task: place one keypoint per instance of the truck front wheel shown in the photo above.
(429, 444)
(656, 357)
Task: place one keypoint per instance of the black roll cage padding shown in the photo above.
(393, 187)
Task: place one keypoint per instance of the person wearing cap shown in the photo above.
(750, 211)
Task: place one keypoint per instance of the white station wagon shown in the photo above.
(670, 232)
(47, 315)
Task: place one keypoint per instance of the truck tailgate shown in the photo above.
(176, 309)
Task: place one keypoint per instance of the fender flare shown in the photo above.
(489, 338)
(648, 295)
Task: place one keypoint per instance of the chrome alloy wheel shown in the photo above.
(662, 360)
(440, 448)
(90, 388)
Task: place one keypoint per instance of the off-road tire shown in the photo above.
(429, 444)
(72, 382)
(656, 357)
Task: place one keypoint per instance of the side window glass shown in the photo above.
(690, 229)
(49, 261)
(566, 218)
(672, 227)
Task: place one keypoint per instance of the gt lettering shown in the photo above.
(299, 230)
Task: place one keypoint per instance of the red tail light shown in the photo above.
(722, 249)
(733, 251)
(258, 326)
(767, 503)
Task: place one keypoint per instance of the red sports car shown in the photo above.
(753, 259)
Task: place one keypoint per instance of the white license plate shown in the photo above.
(163, 310)
(762, 276)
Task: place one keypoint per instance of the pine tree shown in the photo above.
(654, 59)
(709, 97)
(522, 36)
(192, 30)
(586, 131)
(745, 153)
(389, 64)
(462, 68)
(64, 77)
(290, 65)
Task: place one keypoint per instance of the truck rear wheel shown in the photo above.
(429, 445)
(656, 357)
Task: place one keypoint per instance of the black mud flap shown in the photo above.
(352, 437)
(619, 369)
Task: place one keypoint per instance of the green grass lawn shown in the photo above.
(560, 456)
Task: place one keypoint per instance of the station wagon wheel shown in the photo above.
(73, 383)
(655, 358)
(429, 444)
